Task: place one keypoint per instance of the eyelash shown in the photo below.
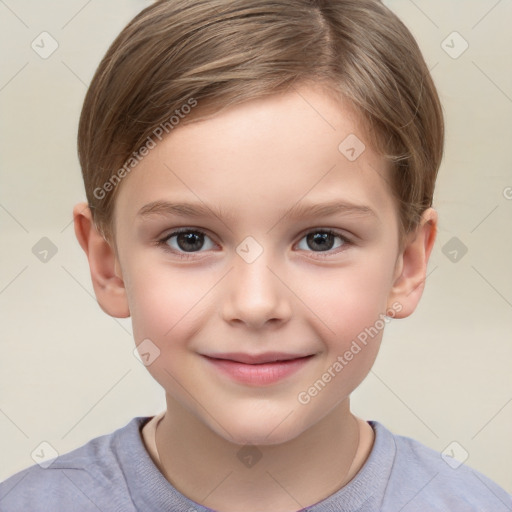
(188, 255)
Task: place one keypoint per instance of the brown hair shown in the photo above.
(211, 54)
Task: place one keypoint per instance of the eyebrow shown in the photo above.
(330, 208)
(166, 208)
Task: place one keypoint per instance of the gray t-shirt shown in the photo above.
(115, 473)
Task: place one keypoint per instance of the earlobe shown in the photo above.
(105, 270)
(411, 268)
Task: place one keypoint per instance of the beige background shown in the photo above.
(67, 370)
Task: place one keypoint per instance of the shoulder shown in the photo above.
(424, 479)
(87, 478)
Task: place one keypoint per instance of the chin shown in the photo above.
(260, 432)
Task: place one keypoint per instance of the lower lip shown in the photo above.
(259, 374)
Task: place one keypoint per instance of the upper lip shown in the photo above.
(266, 357)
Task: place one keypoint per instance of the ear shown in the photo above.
(411, 266)
(103, 263)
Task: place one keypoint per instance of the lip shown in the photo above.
(260, 370)
(265, 357)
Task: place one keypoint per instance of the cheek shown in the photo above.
(164, 303)
(166, 307)
(347, 300)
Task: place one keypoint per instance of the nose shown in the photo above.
(256, 296)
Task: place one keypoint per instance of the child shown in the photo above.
(294, 144)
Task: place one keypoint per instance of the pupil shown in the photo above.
(194, 241)
(323, 241)
(190, 242)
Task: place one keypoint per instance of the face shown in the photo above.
(266, 240)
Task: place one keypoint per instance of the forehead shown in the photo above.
(264, 154)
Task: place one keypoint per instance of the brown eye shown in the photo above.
(190, 242)
(322, 241)
(187, 241)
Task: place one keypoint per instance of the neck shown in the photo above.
(213, 472)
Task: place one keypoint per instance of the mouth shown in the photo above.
(265, 358)
(260, 369)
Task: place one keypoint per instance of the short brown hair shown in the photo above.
(216, 53)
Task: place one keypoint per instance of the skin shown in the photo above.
(256, 161)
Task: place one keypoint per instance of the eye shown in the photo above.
(186, 241)
(323, 240)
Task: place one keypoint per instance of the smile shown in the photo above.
(258, 370)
